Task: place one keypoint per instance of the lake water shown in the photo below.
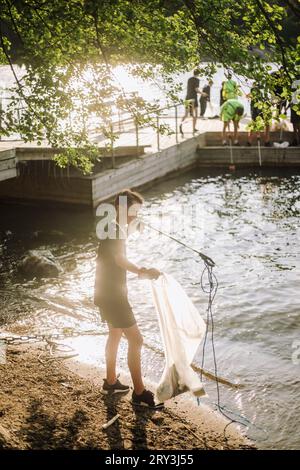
(249, 225)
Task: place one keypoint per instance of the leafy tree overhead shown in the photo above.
(69, 48)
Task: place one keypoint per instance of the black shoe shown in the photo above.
(180, 130)
(268, 144)
(114, 388)
(249, 144)
(145, 399)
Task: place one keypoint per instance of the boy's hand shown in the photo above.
(151, 273)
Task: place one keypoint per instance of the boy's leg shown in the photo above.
(183, 119)
(203, 104)
(250, 137)
(267, 133)
(135, 342)
(186, 112)
(225, 125)
(298, 132)
(195, 116)
(111, 351)
(235, 130)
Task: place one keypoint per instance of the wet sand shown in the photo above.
(50, 403)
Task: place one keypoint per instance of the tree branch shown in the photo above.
(293, 8)
(276, 34)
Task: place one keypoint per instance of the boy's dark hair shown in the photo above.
(239, 111)
(132, 197)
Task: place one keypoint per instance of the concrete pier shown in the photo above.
(8, 165)
(28, 174)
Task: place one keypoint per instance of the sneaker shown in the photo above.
(117, 387)
(224, 143)
(236, 144)
(181, 130)
(195, 130)
(249, 144)
(268, 144)
(145, 399)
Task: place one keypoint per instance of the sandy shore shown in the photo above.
(48, 403)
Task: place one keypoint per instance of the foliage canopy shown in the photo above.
(69, 48)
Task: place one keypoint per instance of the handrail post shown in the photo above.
(112, 145)
(119, 119)
(157, 133)
(176, 123)
(137, 137)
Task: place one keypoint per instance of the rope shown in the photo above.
(259, 151)
(207, 260)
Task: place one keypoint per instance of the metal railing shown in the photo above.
(151, 127)
(155, 127)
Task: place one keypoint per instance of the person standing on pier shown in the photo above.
(256, 96)
(230, 89)
(191, 100)
(222, 100)
(111, 295)
(231, 110)
(205, 97)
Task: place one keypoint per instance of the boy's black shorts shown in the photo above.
(117, 312)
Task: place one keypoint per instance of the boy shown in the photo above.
(256, 96)
(231, 110)
(230, 88)
(111, 297)
(191, 100)
(205, 97)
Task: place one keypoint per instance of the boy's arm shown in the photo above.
(124, 263)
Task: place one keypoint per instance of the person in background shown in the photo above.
(295, 109)
(111, 296)
(222, 100)
(230, 88)
(191, 100)
(256, 96)
(205, 97)
(278, 86)
(295, 120)
(231, 110)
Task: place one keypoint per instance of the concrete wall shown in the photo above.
(249, 156)
(39, 189)
(214, 139)
(8, 166)
(146, 169)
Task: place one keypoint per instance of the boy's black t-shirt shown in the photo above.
(192, 84)
(111, 279)
(206, 89)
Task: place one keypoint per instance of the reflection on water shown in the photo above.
(249, 224)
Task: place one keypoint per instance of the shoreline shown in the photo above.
(51, 403)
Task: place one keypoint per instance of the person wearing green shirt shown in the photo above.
(230, 89)
(231, 110)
